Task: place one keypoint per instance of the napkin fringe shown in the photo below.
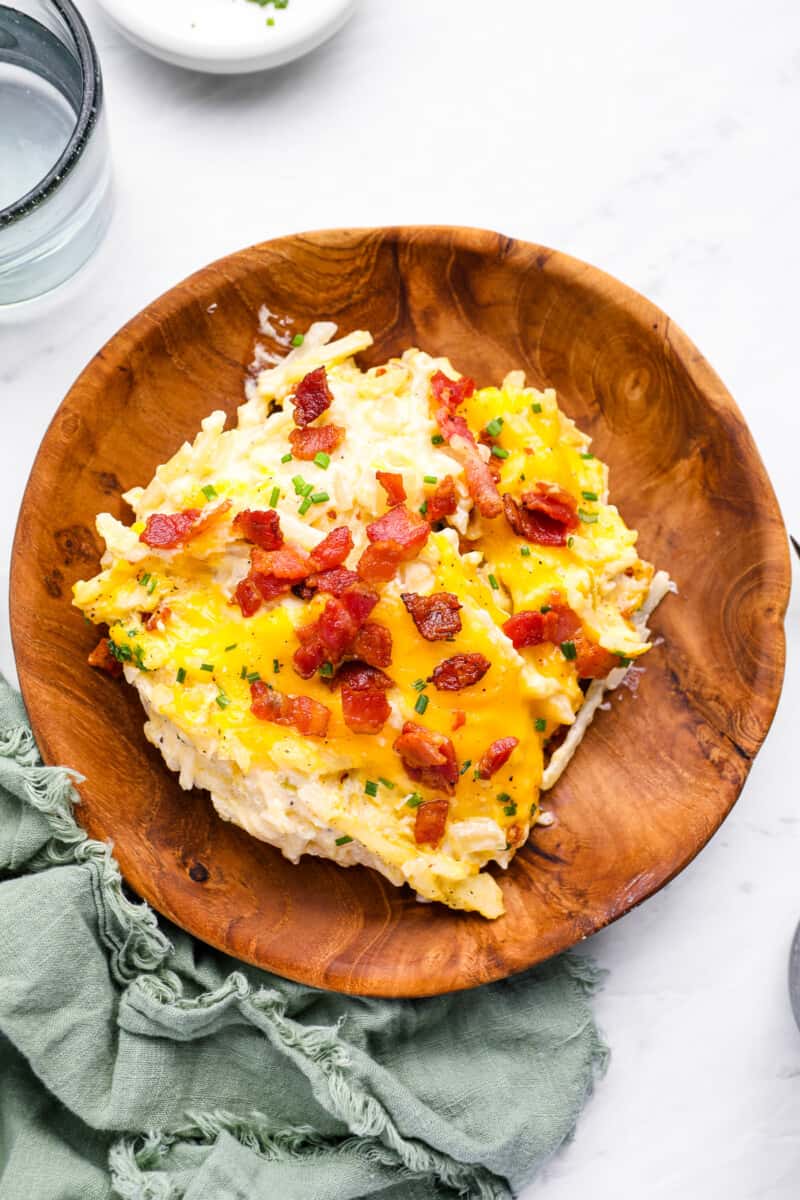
(136, 1164)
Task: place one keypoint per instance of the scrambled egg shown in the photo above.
(347, 796)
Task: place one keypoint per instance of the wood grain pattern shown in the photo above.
(657, 773)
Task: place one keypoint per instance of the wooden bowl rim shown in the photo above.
(594, 282)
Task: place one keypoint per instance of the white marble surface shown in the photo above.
(661, 144)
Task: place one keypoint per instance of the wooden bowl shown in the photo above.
(658, 771)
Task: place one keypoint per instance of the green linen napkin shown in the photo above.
(138, 1063)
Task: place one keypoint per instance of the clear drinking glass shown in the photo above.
(55, 166)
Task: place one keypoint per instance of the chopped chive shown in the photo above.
(151, 587)
(206, 666)
(319, 497)
(274, 496)
(132, 632)
(276, 666)
(522, 477)
(423, 508)
(307, 490)
(322, 459)
(145, 579)
(252, 677)
(540, 724)
(525, 551)
(569, 651)
(299, 484)
(414, 800)
(437, 439)
(587, 517)
(271, 22)
(430, 478)
(232, 646)
(298, 338)
(537, 408)
(244, 673)
(422, 703)
(121, 653)
(465, 766)
(222, 700)
(510, 810)
(502, 797)
(305, 506)
(545, 608)
(493, 582)
(500, 452)
(326, 670)
(419, 684)
(287, 457)
(587, 456)
(209, 491)
(371, 787)
(387, 783)
(570, 542)
(342, 841)
(138, 659)
(624, 661)
(494, 426)
(589, 495)
(181, 675)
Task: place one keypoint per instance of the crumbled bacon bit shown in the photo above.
(593, 661)
(167, 531)
(496, 756)
(261, 526)
(459, 718)
(308, 716)
(544, 516)
(334, 582)
(359, 601)
(158, 618)
(271, 574)
(436, 616)
(362, 677)
(428, 757)
(392, 484)
(102, 658)
(430, 822)
(443, 502)
(460, 671)
(373, 643)
(408, 529)
(312, 397)
(248, 597)
(365, 712)
(379, 561)
(286, 563)
(481, 484)
(332, 550)
(307, 443)
(532, 627)
(451, 392)
(336, 629)
(365, 708)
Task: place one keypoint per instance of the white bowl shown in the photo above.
(227, 37)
